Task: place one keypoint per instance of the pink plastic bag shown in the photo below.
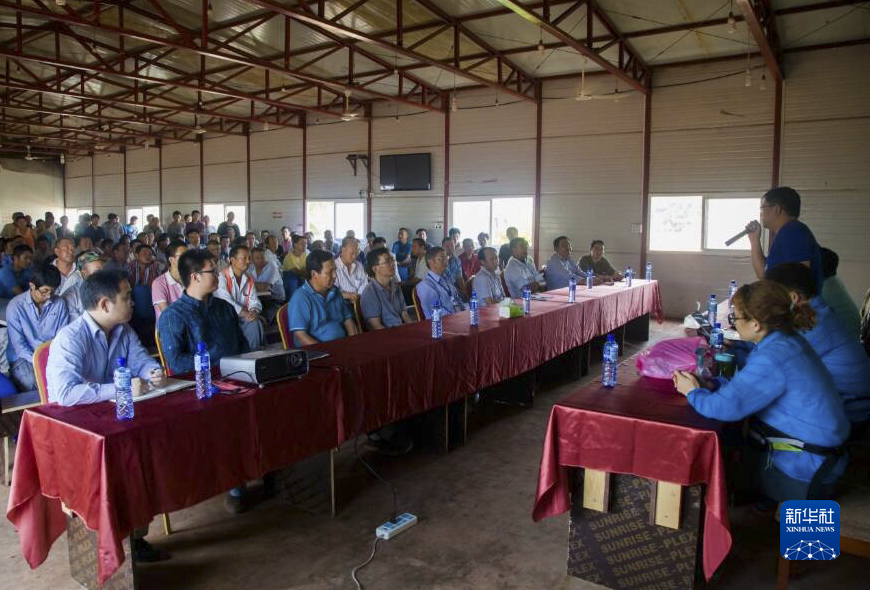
(663, 358)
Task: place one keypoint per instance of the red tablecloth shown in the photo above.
(388, 375)
(176, 452)
(641, 427)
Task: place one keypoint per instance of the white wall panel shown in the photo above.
(142, 160)
(272, 215)
(108, 194)
(276, 179)
(108, 164)
(180, 186)
(330, 176)
(77, 167)
(344, 137)
(391, 213)
(79, 192)
(31, 187)
(143, 188)
(408, 133)
(229, 148)
(504, 168)
(225, 183)
(826, 154)
(178, 155)
(827, 84)
(602, 164)
(513, 120)
(277, 143)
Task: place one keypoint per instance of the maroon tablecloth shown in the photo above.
(176, 452)
(641, 427)
(388, 375)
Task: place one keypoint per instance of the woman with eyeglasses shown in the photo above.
(797, 423)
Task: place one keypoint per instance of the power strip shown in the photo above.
(390, 529)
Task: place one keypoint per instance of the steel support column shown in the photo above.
(93, 186)
(201, 174)
(539, 118)
(248, 174)
(446, 106)
(368, 113)
(644, 179)
(777, 132)
(304, 121)
(159, 179)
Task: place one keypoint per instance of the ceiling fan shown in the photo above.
(30, 157)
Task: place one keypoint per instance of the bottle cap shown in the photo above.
(610, 337)
(712, 296)
(200, 347)
(122, 361)
(717, 325)
(474, 293)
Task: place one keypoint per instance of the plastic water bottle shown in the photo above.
(572, 290)
(712, 309)
(437, 330)
(123, 390)
(527, 301)
(609, 362)
(628, 274)
(473, 310)
(202, 366)
(590, 278)
(732, 289)
(717, 338)
(649, 271)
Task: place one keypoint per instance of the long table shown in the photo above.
(642, 427)
(179, 451)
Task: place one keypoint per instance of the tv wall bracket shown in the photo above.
(354, 158)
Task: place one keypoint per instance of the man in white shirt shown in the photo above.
(520, 274)
(487, 282)
(237, 287)
(350, 275)
(267, 277)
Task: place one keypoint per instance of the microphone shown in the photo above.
(750, 227)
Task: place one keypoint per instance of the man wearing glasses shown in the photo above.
(198, 316)
(792, 242)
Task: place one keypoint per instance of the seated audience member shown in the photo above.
(130, 229)
(118, 257)
(94, 231)
(214, 248)
(236, 287)
(286, 243)
(176, 227)
(786, 391)
(9, 230)
(318, 245)
(454, 234)
(382, 304)
(143, 270)
(468, 259)
(487, 283)
(160, 251)
(436, 287)
(84, 355)
(317, 312)
(835, 295)
(329, 244)
(421, 233)
(370, 237)
(560, 267)
(251, 240)
(599, 265)
(381, 242)
(225, 226)
(792, 239)
(226, 244)
(418, 253)
(402, 253)
(20, 229)
(309, 240)
(87, 263)
(112, 227)
(195, 223)
(294, 260)
(453, 272)
(32, 318)
(267, 278)
(15, 277)
(482, 240)
(208, 227)
(270, 251)
(167, 288)
(65, 250)
(84, 243)
(194, 240)
(42, 250)
(504, 252)
(350, 275)
(840, 350)
(519, 272)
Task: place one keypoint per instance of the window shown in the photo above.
(142, 213)
(494, 216)
(337, 217)
(217, 213)
(694, 223)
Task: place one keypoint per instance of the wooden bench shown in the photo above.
(11, 409)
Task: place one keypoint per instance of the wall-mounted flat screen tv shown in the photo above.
(406, 172)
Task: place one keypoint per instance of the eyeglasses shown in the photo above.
(741, 318)
(213, 272)
(766, 206)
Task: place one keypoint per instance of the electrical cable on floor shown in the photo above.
(377, 475)
(354, 571)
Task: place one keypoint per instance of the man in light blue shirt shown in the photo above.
(15, 274)
(453, 270)
(487, 284)
(317, 311)
(32, 318)
(560, 267)
(519, 272)
(436, 287)
(84, 354)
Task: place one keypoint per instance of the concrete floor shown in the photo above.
(475, 529)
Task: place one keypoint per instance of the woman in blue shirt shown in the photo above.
(797, 421)
(402, 252)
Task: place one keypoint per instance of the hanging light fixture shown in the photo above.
(346, 115)
(541, 46)
(453, 105)
(62, 159)
(60, 3)
(198, 129)
(581, 93)
(732, 22)
(497, 103)
(763, 84)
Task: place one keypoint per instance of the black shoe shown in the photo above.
(270, 485)
(143, 551)
(234, 504)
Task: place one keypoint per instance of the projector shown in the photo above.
(265, 366)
